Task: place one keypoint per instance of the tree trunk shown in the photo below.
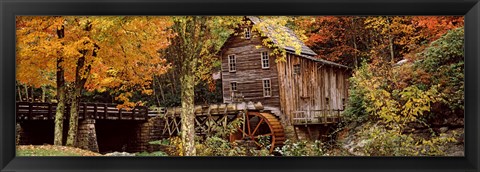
(390, 41)
(43, 93)
(354, 44)
(188, 116)
(392, 55)
(32, 94)
(26, 93)
(77, 90)
(162, 93)
(19, 92)
(59, 113)
(73, 123)
(174, 82)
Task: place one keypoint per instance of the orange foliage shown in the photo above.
(120, 52)
(346, 39)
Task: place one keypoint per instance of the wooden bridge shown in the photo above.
(46, 111)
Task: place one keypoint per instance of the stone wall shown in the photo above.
(86, 135)
(147, 132)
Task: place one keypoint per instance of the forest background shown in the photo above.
(406, 69)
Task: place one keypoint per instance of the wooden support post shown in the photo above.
(133, 113)
(95, 110)
(30, 111)
(85, 114)
(145, 115)
(309, 133)
(295, 131)
(105, 112)
(120, 113)
(50, 114)
(325, 117)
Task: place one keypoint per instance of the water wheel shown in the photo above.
(258, 124)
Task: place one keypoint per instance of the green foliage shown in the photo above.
(204, 95)
(391, 142)
(216, 143)
(160, 142)
(417, 101)
(393, 97)
(372, 95)
(277, 35)
(225, 131)
(355, 110)
(301, 148)
(157, 153)
(444, 51)
(443, 61)
(216, 146)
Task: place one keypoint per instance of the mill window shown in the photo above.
(265, 62)
(232, 66)
(267, 89)
(296, 69)
(247, 33)
(233, 86)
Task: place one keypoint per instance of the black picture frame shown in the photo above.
(10, 8)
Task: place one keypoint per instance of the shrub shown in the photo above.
(301, 148)
(443, 63)
(381, 141)
(216, 146)
(355, 110)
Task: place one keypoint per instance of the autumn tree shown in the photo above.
(352, 39)
(93, 53)
(198, 39)
(38, 54)
(341, 39)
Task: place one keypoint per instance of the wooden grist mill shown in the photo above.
(257, 122)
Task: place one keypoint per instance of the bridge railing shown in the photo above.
(46, 111)
(323, 116)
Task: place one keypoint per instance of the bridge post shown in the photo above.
(86, 135)
(19, 133)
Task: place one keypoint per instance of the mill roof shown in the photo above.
(271, 31)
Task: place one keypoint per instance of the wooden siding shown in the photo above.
(310, 89)
(249, 73)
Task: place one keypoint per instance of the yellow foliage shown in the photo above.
(120, 51)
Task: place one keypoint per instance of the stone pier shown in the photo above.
(86, 135)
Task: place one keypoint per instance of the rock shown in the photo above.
(120, 154)
(443, 129)
(362, 143)
(457, 153)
